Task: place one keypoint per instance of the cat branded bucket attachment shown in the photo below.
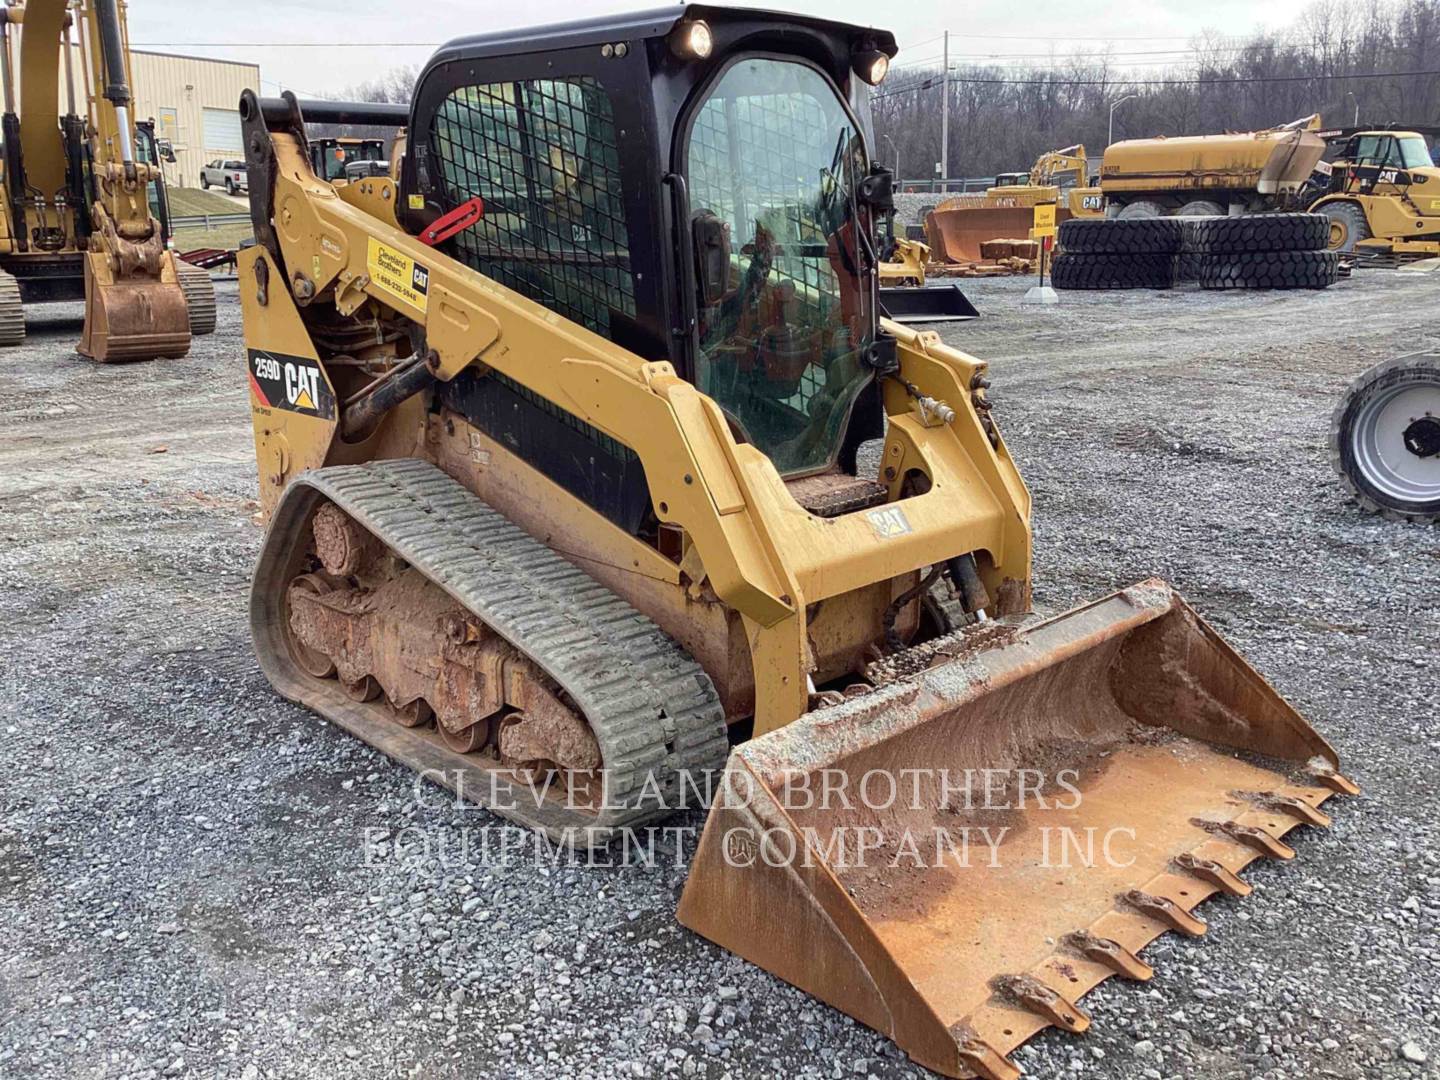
(956, 857)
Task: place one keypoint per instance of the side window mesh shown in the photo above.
(543, 154)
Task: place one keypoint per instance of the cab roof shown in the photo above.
(654, 23)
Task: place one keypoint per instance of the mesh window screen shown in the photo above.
(543, 155)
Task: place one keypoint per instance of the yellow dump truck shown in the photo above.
(1200, 175)
(957, 227)
(1382, 194)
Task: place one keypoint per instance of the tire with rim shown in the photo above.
(1261, 232)
(199, 290)
(204, 182)
(1200, 208)
(229, 186)
(1142, 209)
(1347, 224)
(1102, 236)
(1270, 270)
(1108, 271)
(1385, 438)
(12, 311)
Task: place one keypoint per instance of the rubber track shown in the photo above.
(652, 708)
(1133, 236)
(199, 289)
(1260, 232)
(12, 311)
(1270, 270)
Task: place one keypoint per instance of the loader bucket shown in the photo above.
(133, 318)
(926, 303)
(956, 233)
(1135, 766)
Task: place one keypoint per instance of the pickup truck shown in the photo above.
(228, 174)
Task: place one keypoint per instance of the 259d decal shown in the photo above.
(292, 383)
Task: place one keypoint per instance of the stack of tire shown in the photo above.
(1253, 251)
(1258, 251)
(1100, 253)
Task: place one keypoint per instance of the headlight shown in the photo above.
(872, 65)
(692, 40)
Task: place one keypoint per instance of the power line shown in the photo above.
(287, 45)
(1120, 81)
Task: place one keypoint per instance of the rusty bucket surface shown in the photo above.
(1135, 765)
(136, 318)
(955, 233)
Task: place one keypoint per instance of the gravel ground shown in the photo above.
(186, 887)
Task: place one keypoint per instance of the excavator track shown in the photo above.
(199, 289)
(12, 311)
(652, 709)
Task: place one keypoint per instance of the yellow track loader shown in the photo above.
(596, 483)
(83, 195)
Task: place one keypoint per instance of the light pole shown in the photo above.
(1110, 136)
(899, 176)
(1351, 95)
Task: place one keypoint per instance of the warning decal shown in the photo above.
(292, 383)
(398, 274)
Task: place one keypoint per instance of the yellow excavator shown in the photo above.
(83, 194)
(958, 227)
(596, 483)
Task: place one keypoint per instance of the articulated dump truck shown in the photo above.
(592, 473)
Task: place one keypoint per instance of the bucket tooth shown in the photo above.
(981, 1058)
(1034, 996)
(1288, 804)
(1212, 873)
(1112, 955)
(1166, 911)
(1324, 773)
(1251, 837)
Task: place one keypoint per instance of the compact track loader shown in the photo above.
(83, 208)
(593, 473)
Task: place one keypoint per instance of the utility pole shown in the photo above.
(945, 117)
(899, 176)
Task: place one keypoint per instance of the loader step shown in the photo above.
(652, 709)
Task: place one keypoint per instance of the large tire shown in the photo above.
(1385, 438)
(1187, 268)
(1200, 208)
(1348, 225)
(1261, 232)
(199, 289)
(1270, 270)
(1142, 209)
(12, 311)
(1107, 271)
(204, 183)
(1100, 236)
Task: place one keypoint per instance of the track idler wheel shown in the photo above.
(311, 661)
(366, 689)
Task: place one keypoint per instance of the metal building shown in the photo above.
(193, 101)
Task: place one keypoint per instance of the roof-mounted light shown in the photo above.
(692, 40)
(872, 65)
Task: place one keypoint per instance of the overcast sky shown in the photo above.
(395, 32)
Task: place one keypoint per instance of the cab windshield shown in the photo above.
(1413, 152)
(774, 154)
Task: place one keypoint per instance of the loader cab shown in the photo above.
(1383, 162)
(694, 184)
(332, 158)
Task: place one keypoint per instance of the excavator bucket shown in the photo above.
(137, 317)
(955, 233)
(1007, 819)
